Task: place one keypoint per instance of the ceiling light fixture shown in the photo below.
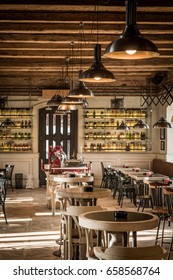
(123, 126)
(97, 73)
(81, 90)
(162, 123)
(55, 100)
(7, 123)
(66, 107)
(141, 124)
(72, 101)
(131, 44)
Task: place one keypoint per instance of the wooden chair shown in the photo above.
(154, 252)
(78, 241)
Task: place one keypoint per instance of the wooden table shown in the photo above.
(54, 181)
(144, 177)
(81, 196)
(105, 221)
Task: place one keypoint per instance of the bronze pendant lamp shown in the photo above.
(131, 44)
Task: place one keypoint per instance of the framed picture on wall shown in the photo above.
(162, 145)
(162, 133)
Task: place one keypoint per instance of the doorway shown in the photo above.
(56, 130)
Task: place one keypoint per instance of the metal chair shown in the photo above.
(162, 207)
(3, 193)
(8, 174)
(125, 188)
(143, 196)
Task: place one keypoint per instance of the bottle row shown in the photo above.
(116, 136)
(7, 135)
(16, 112)
(115, 113)
(109, 124)
(13, 147)
(113, 146)
(21, 124)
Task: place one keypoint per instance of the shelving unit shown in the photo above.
(101, 133)
(17, 138)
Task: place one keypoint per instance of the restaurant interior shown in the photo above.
(86, 129)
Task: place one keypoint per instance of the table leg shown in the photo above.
(134, 239)
(53, 200)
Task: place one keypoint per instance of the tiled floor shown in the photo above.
(32, 231)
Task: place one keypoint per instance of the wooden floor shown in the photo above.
(32, 231)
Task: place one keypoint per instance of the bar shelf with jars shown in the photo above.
(101, 133)
(16, 133)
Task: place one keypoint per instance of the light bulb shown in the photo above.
(97, 78)
(131, 52)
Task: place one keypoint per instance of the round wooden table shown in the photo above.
(105, 221)
(79, 194)
(54, 181)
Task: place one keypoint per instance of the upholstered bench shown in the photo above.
(162, 167)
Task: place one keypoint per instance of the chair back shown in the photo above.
(168, 197)
(3, 193)
(9, 171)
(156, 195)
(3, 189)
(75, 233)
(154, 252)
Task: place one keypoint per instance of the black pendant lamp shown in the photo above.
(131, 44)
(123, 126)
(55, 100)
(141, 124)
(7, 123)
(97, 73)
(80, 90)
(162, 123)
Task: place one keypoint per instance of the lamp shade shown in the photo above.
(72, 101)
(140, 124)
(131, 44)
(7, 123)
(123, 126)
(97, 73)
(162, 123)
(55, 100)
(80, 90)
(61, 112)
(66, 107)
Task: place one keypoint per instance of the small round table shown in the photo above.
(53, 181)
(105, 221)
(79, 194)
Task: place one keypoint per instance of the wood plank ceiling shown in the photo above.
(36, 37)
